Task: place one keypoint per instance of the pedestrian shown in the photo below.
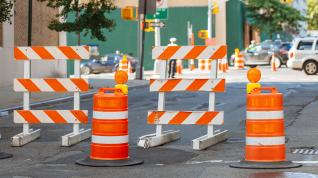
(172, 62)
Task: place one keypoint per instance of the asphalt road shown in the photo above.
(45, 158)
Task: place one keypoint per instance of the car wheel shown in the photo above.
(311, 67)
(85, 70)
(277, 61)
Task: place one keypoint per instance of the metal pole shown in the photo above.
(157, 43)
(210, 18)
(141, 41)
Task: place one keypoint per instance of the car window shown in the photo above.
(305, 45)
(316, 48)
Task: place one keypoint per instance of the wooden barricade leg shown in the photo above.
(212, 137)
(78, 134)
(160, 137)
(28, 135)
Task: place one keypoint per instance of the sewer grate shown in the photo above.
(305, 151)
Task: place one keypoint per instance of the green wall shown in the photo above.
(124, 37)
(234, 25)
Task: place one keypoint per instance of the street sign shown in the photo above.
(161, 12)
(157, 24)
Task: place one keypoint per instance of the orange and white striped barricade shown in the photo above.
(179, 66)
(163, 85)
(201, 64)
(29, 85)
(239, 62)
(265, 131)
(109, 144)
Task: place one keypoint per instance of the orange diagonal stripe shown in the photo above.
(80, 115)
(219, 53)
(55, 116)
(169, 85)
(42, 52)
(80, 83)
(29, 117)
(151, 81)
(69, 52)
(154, 116)
(86, 48)
(29, 85)
(55, 85)
(179, 118)
(169, 52)
(206, 118)
(196, 84)
(220, 87)
(195, 52)
(19, 55)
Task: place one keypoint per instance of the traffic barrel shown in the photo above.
(179, 66)
(265, 131)
(109, 144)
(273, 63)
(239, 62)
(123, 64)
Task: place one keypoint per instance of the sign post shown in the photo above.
(161, 14)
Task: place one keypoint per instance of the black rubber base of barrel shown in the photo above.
(264, 165)
(108, 163)
(5, 155)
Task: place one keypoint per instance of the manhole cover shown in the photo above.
(282, 175)
(305, 151)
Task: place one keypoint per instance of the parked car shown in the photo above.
(304, 55)
(108, 63)
(261, 54)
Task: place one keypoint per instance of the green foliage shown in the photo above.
(5, 10)
(91, 16)
(272, 16)
(312, 14)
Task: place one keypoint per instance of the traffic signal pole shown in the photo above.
(141, 41)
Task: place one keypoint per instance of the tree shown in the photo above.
(6, 10)
(312, 14)
(90, 16)
(272, 16)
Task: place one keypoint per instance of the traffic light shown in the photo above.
(215, 8)
(147, 26)
(203, 34)
(127, 13)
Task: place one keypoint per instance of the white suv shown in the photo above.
(304, 55)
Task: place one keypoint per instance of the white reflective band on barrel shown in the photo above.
(110, 115)
(265, 141)
(109, 139)
(264, 115)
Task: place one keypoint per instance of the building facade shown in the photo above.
(16, 34)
